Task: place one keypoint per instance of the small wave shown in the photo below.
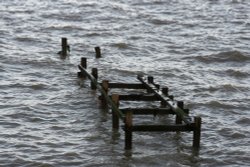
(237, 73)
(158, 21)
(219, 104)
(231, 56)
(120, 45)
(244, 121)
(226, 88)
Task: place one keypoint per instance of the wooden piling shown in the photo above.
(84, 65)
(98, 52)
(197, 132)
(178, 119)
(95, 75)
(105, 86)
(128, 130)
(165, 91)
(64, 47)
(84, 62)
(115, 117)
(150, 79)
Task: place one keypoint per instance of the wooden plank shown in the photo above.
(147, 111)
(138, 97)
(126, 85)
(162, 128)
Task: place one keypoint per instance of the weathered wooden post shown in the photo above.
(115, 117)
(164, 90)
(84, 65)
(197, 132)
(128, 130)
(84, 62)
(98, 52)
(105, 86)
(178, 119)
(64, 47)
(95, 75)
(150, 79)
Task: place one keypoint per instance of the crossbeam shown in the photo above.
(147, 111)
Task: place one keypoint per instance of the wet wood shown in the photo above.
(64, 47)
(98, 52)
(128, 130)
(127, 85)
(148, 111)
(138, 97)
(162, 128)
(94, 73)
(115, 117)
(197, 132)
(105, 86)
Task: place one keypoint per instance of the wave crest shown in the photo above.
(231, 56)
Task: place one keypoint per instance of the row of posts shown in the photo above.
(65, 49)
(129, 115)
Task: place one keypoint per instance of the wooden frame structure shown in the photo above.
(183, 121)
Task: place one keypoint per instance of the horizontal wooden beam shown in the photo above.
(138, 97)
(126, 85)
(147, 111)
(162, 128)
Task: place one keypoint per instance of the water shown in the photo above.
(200, 49)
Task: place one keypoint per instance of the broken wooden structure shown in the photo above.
(183, 122)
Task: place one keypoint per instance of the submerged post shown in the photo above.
(197, 132)
(178, 119)
(84, 62)
(105, 86)
(98, 52)
(128, 130)
(64, 47)
(95, 75)
(84, 65)
(115, 117)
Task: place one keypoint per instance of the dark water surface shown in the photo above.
(200, 49)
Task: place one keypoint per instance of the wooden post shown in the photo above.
(150, 79)
(197, 132)
(98, 52)
(64, 47)
(165, 91)
(128, 130)
(115, 117)
(95, 75)
(178, 120)
(84, 62)
(105, 86)
(84, 65)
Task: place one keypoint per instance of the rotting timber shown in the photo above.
(183, 121)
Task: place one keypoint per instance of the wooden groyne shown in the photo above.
(124, 116)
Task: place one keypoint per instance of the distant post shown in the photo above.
(98, 52)
(64, 46)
